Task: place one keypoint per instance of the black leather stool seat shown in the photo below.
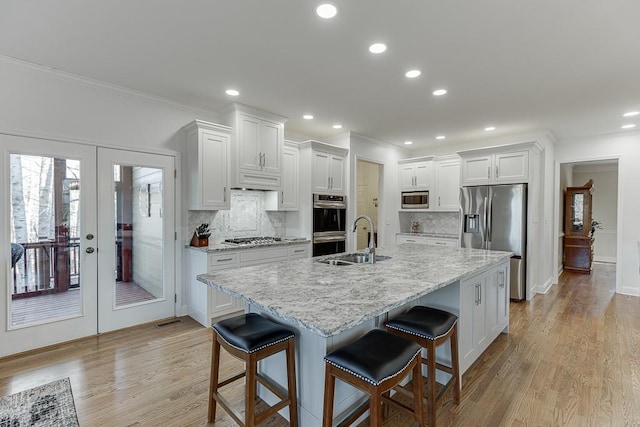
(424, 322)
(375, 357)
(251, 332)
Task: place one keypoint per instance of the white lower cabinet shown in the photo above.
(411, 239)
(207, 303)
(424, 240)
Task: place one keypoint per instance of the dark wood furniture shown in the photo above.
(251, 338)
(578, 242)
(431, 328)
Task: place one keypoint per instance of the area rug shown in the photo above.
(46, 405)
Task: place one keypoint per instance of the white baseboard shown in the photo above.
(543, 289)
(605, 259)
(628, 290)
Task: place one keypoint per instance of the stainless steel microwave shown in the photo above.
(415, 200)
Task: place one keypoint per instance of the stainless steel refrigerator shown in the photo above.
(495, 217)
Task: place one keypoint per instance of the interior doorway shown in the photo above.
(605, 175)
(367, 200)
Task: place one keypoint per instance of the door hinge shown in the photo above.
(175, 298)
(175, 235)
(175, 173)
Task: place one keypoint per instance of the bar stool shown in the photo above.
(251, 338)
(375, 364)
(431, 328)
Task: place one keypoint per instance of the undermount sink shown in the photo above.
(351, 258)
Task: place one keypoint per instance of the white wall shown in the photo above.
(39, 102)
(604, 206)
(626, 148)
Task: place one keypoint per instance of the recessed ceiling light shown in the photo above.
(440, 137)
(232, 92)
(413, 73)
(377, 48)
(307, 117)
(631, 113)
(327, 10)
(490, 128)
(337, 126)
(439, 92)
(408, 142)
(629, 126)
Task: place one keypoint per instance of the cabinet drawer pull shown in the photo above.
(410, 240)
(299, 251)
(224, 259)
(440, 243)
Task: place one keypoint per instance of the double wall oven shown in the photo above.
(329, 224)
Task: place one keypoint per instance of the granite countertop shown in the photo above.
(327, 299)
(435, 235)
(222, 247)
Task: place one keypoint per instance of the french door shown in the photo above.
(88, 241)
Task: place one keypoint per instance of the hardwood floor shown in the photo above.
(572, 358)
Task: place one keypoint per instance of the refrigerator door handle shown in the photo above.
(489, 221)
(486, 224)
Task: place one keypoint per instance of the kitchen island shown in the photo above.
(330, 305)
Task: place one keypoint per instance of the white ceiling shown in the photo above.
(568, 66)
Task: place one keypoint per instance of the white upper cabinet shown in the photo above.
(415, 174)
(509, 167)
(287, 198)
(327, 169)
(256, 155)
(447, 185)
(208, 161)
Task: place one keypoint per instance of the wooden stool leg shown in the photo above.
(213, 381)
(291, 384)
(375, 409)
(431, 384)
(455, 364)
(250, 391)
(417, 392)
(329, 384)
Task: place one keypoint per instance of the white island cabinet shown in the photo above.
(329, 306)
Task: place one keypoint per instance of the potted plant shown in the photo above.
(595, 224)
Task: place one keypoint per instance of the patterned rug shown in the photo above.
(46, 405)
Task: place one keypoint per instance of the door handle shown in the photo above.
(497, 174)
(90, 250)
(488, 172)
(89, 236)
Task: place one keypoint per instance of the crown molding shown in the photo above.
(98, 84)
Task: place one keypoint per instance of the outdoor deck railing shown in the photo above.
(47, 266)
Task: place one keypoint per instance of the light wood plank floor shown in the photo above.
(572, 358)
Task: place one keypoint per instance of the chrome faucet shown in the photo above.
(372, 243)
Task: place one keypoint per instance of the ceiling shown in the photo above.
(571, 66)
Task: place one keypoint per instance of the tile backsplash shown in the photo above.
(431, 222)
(246, 218)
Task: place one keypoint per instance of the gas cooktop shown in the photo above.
(253, 240)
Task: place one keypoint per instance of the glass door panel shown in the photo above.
(45, 236)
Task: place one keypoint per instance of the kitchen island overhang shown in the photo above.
(330, 305)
